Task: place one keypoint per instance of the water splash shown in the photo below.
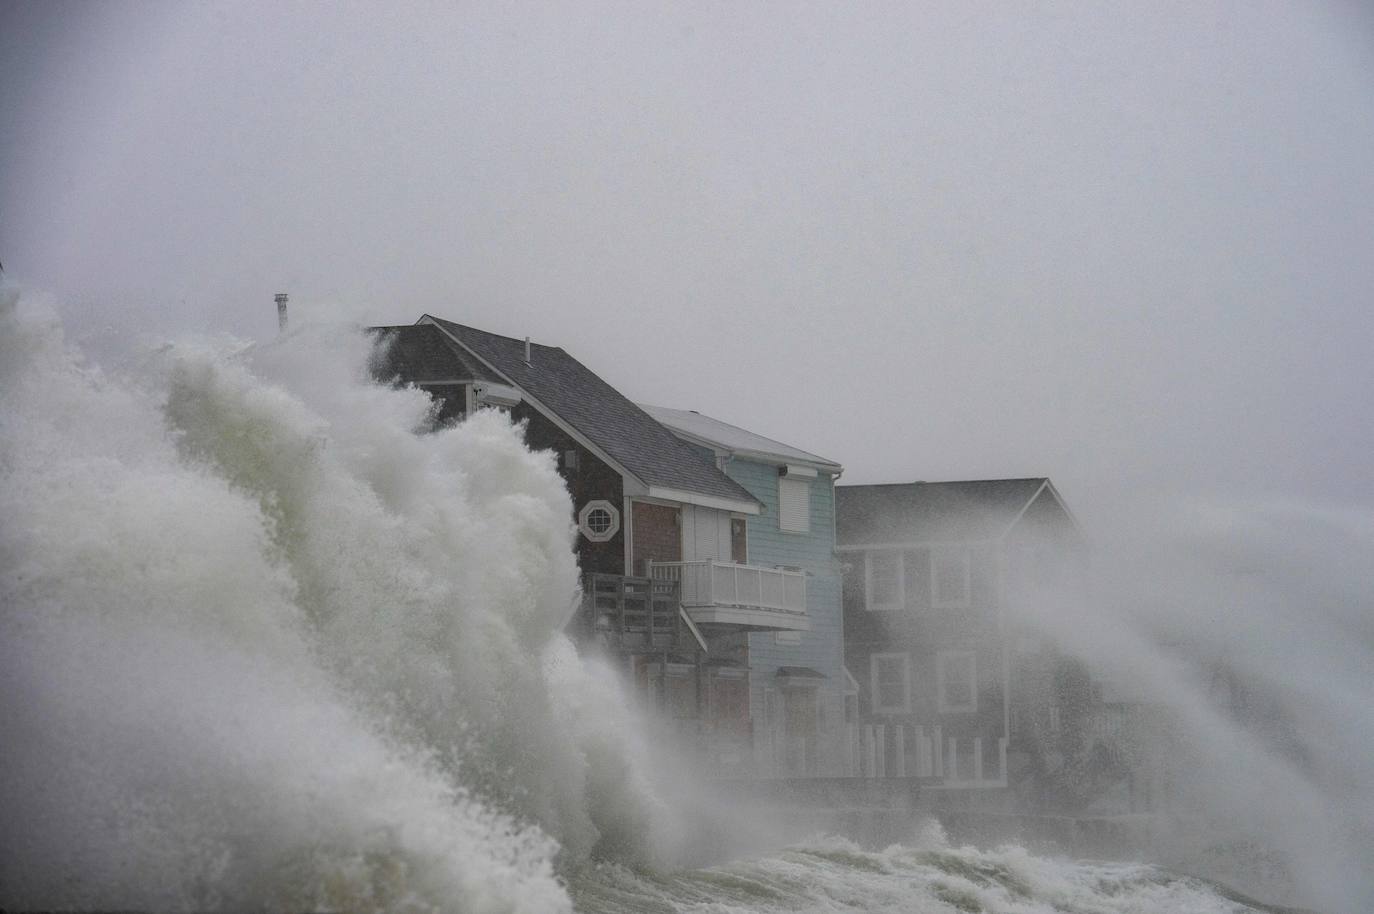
(1244, 625)
(261, 645)
(264, 646)
(928, 876)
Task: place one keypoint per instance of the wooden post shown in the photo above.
(703, 722)
(620, 606)
(662, 676)
(649, 612)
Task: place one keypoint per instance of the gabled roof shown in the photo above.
(559, 385)
(976, 510)
(423, 354)
(739, 442)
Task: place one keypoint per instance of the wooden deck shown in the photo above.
(640, 615)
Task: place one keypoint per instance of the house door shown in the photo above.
(739, 548)
(799, 731)
(656, 535)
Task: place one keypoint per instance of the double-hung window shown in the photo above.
(891, 683)
(883, 586)
(956, 673)
(950, 578)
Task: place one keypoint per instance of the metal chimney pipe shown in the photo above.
(527, 350)
(281, 311)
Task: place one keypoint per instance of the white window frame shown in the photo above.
(966, 559)
(942, 703)
(585, 514)
(868, 582)
(800, 522)
(873, 661)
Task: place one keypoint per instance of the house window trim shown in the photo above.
(873, 662)
(803, 517)
(966, 557)
(900, 582)
(584, 518)
(942, 704)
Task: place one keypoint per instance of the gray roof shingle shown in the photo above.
(608, 419)
(422, 354)
(979, 509)
(732, 437)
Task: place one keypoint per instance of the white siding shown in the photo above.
(705, 534)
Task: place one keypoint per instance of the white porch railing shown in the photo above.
(900, 751)
(710, 583)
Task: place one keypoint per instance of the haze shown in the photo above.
(1126, 246)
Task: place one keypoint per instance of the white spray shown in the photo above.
(261, 645)
(1275, 594)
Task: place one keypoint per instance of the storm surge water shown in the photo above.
(265, 646)
(926, 877)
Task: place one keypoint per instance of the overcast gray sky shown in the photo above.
(1128, 246)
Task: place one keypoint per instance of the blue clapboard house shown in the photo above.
(791, 710)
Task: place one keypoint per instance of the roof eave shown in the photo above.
(1047, 485)
(813, 461)
(1045, 481)
(636, 486)
(917, 544)
(719, 502)
(784, 459)
(724, 450)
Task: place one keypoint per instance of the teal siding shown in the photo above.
(822, 648)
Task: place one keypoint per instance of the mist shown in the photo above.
(1245, 627)
(1126, 247)
(1121, 246)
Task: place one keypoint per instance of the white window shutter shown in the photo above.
(794, 504)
